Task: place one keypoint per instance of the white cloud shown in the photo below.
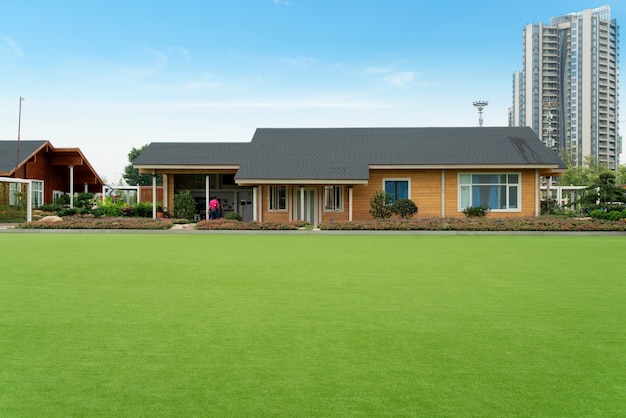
(9, 48)
(300, 61)
(284, 2)
(402, 79)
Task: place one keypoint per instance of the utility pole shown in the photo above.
(19, 125)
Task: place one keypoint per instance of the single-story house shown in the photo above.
(53, 171)
(323, 174)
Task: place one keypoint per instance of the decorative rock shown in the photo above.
(51, 219)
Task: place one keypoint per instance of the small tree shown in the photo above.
(404, 208)
(184, 205)
(381, 205)
(131, 174)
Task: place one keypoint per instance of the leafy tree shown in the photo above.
(184, 205)
(603, 191)
(586, 175)
(132, 176)
(380, 205)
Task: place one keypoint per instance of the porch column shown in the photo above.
(71, 186)
(255, 197)
(301, 203)
(154, 201)
(29, 201)
(207, 191)
(350, 203)
(537, 197)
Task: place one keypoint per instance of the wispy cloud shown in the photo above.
(300, 61)
(400, 79)
(9, 48)
(283, 2)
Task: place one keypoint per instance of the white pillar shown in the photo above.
(71, 186)
(154, 200)
(29, 202)
(85, 188)
(207, 191)
(537, 197)
(302, 203)
(255, 196)
(350, 203)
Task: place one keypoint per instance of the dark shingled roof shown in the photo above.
(8, 153)
(347, 153)
(192, 153)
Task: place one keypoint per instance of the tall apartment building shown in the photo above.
(568, 89)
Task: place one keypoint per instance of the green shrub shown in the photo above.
(127, 210)
(67, 212)
(143, 210)
(84, 201)
(50, 207)
(476, 211)
(98, 212)
(184, 205)
(598, 214)
(404, 208)
(616, 215)
(381, 205)
(233, 216)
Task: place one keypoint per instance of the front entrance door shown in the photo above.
(310, 202)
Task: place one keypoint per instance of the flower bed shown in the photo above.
(229, 224)
(544, 223)
(78, 222)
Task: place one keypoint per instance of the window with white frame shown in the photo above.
(333, 198)
(397, 188)
(278, 198)
(14, 188)
(57, 196)
(497, 191)
(37, 193)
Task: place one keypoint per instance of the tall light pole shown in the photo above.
(480, 105)
(19, 126)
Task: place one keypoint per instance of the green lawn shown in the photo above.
(308, 325)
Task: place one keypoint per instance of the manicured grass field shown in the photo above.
(306, 325)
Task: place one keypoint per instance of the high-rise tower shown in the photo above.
(568, 88)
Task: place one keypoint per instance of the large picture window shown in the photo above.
(333, 198)
(497, 191)
(397, 188)
(278, 198)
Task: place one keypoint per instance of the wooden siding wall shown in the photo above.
(425, 191)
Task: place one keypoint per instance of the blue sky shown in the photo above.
(106, 76)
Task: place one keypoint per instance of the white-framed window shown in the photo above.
(333, 198)
(398, 188)
(56, 195)
(37, 193)
(14, 188)
(500, 192)
(278, 198)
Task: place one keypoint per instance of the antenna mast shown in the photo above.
(19, 125)
(480, 105)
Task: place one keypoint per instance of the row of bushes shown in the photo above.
(89, 222)
(546, 223)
